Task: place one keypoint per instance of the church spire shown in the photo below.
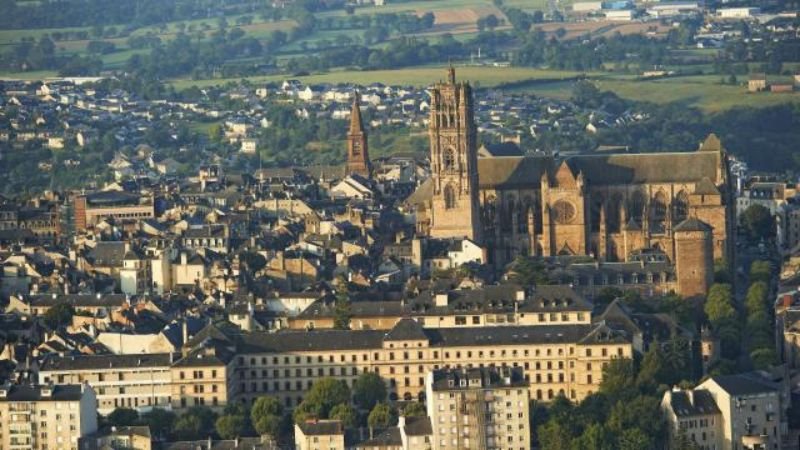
(355, 115)
(357, 151)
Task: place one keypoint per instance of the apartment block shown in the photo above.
(46, 417)
(479, 408)
(733, 412)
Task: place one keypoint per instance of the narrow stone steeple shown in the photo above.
(357, 151)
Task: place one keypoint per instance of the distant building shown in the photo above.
(46, 417)
(319, 435)
(737, 13)
(91, 208)
(757, 82)
(728, 412)
(484, 407)
(122, 438)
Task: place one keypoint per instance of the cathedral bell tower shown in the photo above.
(357, 152)
(454, 161)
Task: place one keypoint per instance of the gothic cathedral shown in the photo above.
(455, 211)
(674, 207)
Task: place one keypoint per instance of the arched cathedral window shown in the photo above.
(449, 159)
(659, 212)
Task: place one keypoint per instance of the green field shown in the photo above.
(418, 76)
(701, 91)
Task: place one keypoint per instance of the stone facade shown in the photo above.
(454, 209)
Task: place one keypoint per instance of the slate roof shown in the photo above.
(78, 300)
(108, 254)
(247, 443)
(632, 168)
(418, 426)
(388, 437)
(702, 403)
(320, 340)
(692, 224)
(512, 172)
(406, 330)
(737, 385)
(322, 428)
(29, 393)
(98, 362)
(502, 149)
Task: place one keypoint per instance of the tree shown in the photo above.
(760, 271)
(123, 417)
(595, 437)
(380, 416)
(160, 421)
(266, 415)
(369, 389)
(634, 439)
(231, 426)
(719, 304)
(758, 222)
(554, 435)
(324, 394)
(196, 423)
(59, 315)
(345, 413)
(254, 261)
(651, 367)
(189, 427)
(756, 298)
(641, 412)
(342, 311)
(618, 378)
(414, 409)
(763, 358)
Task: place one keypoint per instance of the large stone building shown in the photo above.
(556, 359)
(604, 206)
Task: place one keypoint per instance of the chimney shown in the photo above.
(185, 329)
(183, 258)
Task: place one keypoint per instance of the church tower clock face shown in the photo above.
(563, 211)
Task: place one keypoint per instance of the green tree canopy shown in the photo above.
(266, 415)
(324, 394)
(618, 378)
(414, 409)
(160, 421)
(195, 424)
(758, 222)
(231, 426)
(369, 389)
(59, 315)
(760, 271)
(345, 413)
(380, 416)
(123, 417)
(719, 304)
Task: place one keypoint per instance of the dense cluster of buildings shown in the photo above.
(222, 287)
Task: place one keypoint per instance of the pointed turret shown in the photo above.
(357, 152)
(355, 116)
